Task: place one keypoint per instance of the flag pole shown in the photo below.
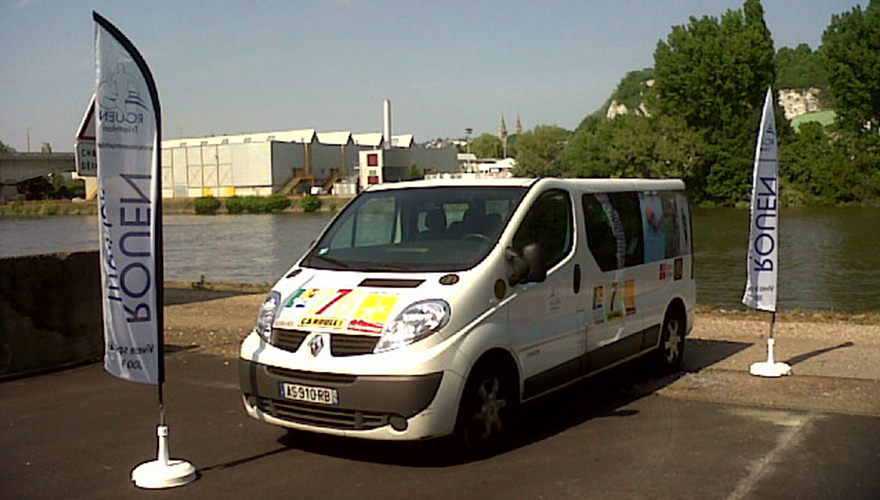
(763, 252)
(129, 146)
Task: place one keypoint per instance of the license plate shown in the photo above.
(309, 394)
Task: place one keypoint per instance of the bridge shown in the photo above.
(17, 167)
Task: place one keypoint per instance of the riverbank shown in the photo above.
(175, 206)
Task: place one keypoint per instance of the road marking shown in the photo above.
(795, 426)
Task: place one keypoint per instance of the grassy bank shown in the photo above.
(176, 206)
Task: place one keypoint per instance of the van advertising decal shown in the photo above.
(598, 305)
(629, 296)
(621, 302)
(343, 310)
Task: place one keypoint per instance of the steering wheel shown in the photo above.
(477, 236)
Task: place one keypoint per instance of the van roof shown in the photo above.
(588, 185)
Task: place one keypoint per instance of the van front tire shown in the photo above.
(485, 415)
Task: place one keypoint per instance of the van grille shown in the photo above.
(340, 344)
(352, 345)
(289, 340)
(334, 418)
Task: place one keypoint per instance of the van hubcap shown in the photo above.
(672, 345)
(489, 412)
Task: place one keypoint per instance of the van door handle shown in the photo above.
(577, 278)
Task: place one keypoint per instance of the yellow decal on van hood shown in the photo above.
(344, 310)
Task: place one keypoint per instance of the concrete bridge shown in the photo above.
(17, 167)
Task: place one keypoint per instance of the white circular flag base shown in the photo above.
(769, 369)
(163, 472)
(158, 474)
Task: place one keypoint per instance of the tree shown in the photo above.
(800, 68)
(713, 74)
(6, 149)
(635, 146)
(539, 151)
(486, 146)
(851, 52)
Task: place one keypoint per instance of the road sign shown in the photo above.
(86, 157)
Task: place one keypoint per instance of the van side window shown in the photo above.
(548, 222)
(614, 229)
(600, 233)
(628, 208)
(665, 225)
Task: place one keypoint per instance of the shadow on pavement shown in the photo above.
(602, 396)
(803, 357)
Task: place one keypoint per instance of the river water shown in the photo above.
(829, 257)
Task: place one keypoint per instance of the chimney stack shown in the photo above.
(386, 114)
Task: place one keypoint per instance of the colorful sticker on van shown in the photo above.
(622, 301)
(343, 310)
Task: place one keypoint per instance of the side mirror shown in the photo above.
(533, 253)
(530, 267)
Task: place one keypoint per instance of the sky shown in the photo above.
(230, 67)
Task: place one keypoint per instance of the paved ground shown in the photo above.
(711, 432)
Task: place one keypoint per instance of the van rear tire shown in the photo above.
(670, 352)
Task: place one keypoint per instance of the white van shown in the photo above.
(435, 307)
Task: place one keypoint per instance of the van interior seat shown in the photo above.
(435, 222)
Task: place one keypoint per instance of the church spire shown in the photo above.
(502, 134)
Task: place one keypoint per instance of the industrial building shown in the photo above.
(291, 162)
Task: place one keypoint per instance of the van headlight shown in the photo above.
(267, 314)
(416, 322)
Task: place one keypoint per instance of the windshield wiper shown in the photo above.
(332, 261)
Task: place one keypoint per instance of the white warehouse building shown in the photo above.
(288, 162)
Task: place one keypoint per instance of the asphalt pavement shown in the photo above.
(710, 432)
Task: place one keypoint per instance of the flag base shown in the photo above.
(766, 369)
(163, 472)
(770, 368)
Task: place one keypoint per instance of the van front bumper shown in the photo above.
(369, 406)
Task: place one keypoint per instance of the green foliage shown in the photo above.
(206, 205)
(486, 146)
(851, 53)
(633, 88)
(634, 146)
(257, 204)
(49, 209)
(6, 149)
(413, 173)
(37, 188)
(310, 203)
(277, 203)
(800, 68)
(234, 204)
(539, 152)
(713, 74)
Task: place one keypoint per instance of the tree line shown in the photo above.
(700, 109)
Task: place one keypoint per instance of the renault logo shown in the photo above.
(316, 344)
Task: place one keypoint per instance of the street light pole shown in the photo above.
(467, 133)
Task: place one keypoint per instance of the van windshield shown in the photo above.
(418, 229)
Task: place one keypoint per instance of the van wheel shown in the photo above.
(670, 352)
(486, 409)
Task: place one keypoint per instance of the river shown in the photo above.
(829, 257)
